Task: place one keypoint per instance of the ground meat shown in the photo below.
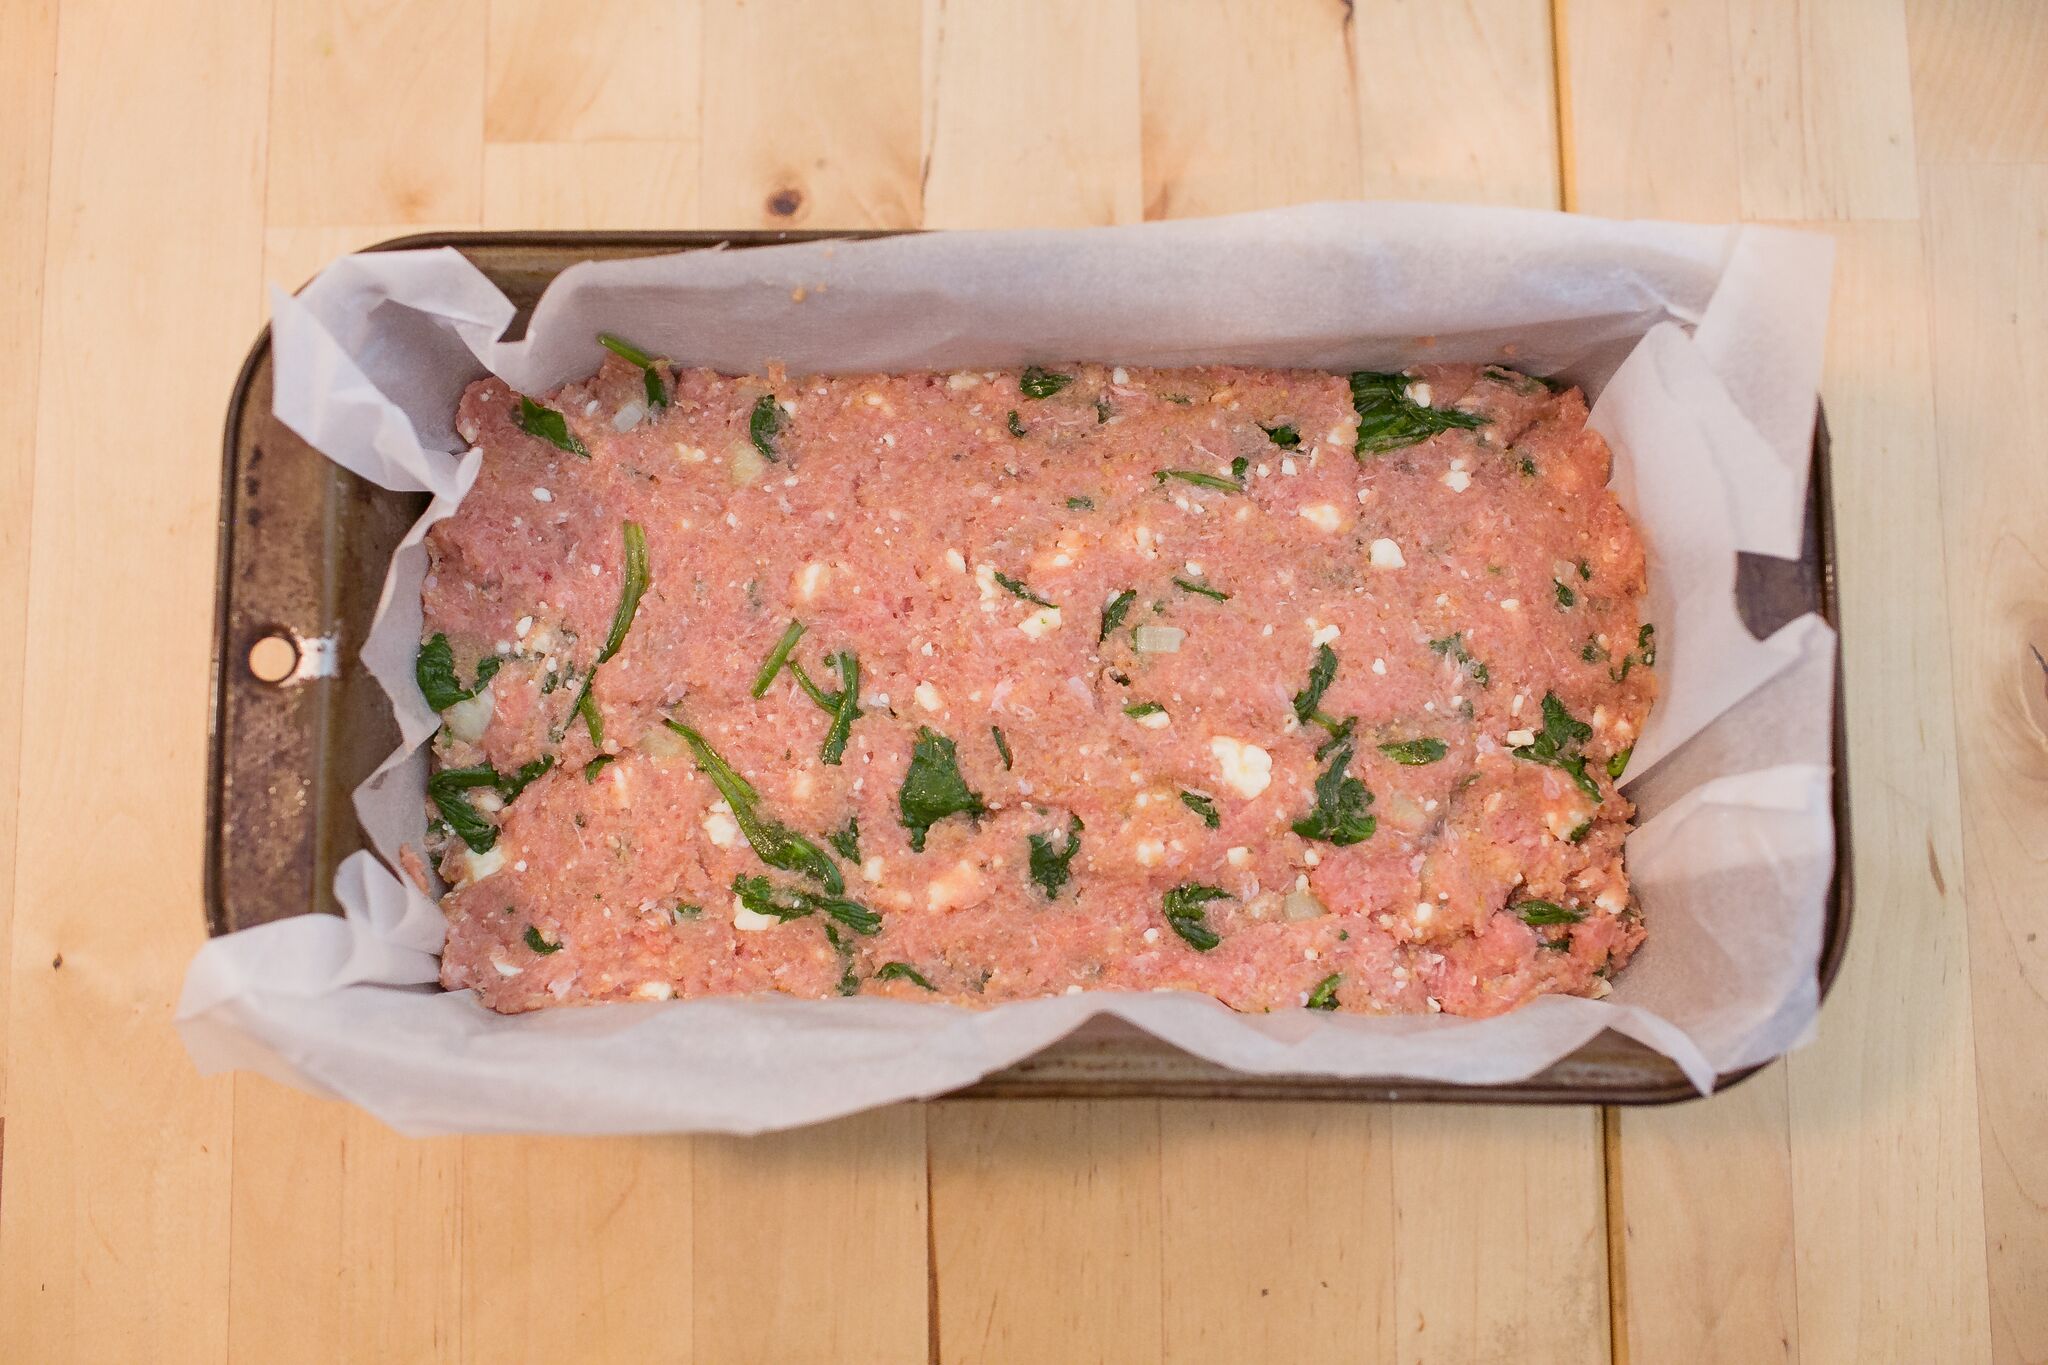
(1378, 773)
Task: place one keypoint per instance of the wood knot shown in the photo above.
(785, 202)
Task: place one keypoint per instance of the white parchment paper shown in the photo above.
(1703, 346)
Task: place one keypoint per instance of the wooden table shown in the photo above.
(1882, 1195)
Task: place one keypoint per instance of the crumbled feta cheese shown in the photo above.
(963, 381)
(1457, 480)
(956, 561)
(1323, 635)
(1155, 720)
(1323, 516)
(1040, 623)
(1149, 852)
(1119, 375)
(1238, 856)
(1509, 603)
(1387, 555)
(1423, 910)
(1152, 935)
(928, 697)
(871, 870)
(542, 495)
(747, 921)
(477, 866)
(654, 990)
(505, 968)
(1419, 394)
(809, 579)
(1247, 768)
(1379, 666)
(1516, 739)
(721, 829)
(1287, 465)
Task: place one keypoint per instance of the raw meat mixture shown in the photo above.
(991, 685)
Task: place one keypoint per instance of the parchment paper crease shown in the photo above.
(1703, 347)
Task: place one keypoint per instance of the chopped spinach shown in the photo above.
(1017, 587)
(849, 981)
(764, 424)
(539, 944)
(1080, 504)
(1566, 598)
(933, 787)
(1038, 383)
(1388, 419)
(1016, 424)
(1537, 912)
(1002, 745)
(1052, 867)
(1186, 917)
(632, 587)
(1558, 745)
(650, 368)
(847, 839)
(1114, 613)
(1201, 480)
(1453, 647)
(1202, 806)
(1617, 763)
(902, 971)
(773, 843)
(434, 670)
(776, 658)
(1414, 753)
(1138, 710)
(1284, 435)
(596, 766)
(1201, 590)
(843, 705)
(1324, 996)
(1339, 816)
(549, 426)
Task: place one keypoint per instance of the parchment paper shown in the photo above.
(1702, 345)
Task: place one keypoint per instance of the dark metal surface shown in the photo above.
(303, 550)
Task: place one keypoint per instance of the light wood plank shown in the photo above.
(1269, 82)
(1277, 1231)
(114, 1219)
(1500, 1234)
(811, 114)
(1046, 1230)
(576, 1249)
(1978, 95)
(1706, 1195)
(28, 33)
(604, 70)
(1822, 118)
(811, 1244)
(1884, 1114)
(1989, 287)
(1010, 143)
(376, 111)
(578, 186)
(1457, 102)
(1650, 110)
(346, 1238)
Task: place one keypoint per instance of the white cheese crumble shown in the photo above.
(809, 579)
(1246, 768)
(1040, 623)
(1419, 394)
(477, 866)
(1323, 635)
(1238, 856)
(1516, 739)
(1510, 604)
(1149, 852)
(542, 495)
(747, 921)
(1387, 555)
(1155, 720)
(654, 990)
(928, 697)
(1457, 480)
(1323, 516)
(721, 829)
(956, 561)
(1379, 666)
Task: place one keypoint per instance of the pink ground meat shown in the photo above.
(1439, 829)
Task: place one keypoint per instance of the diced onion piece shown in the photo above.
(467, 720)
(1158, 639)
(1301, 905)
(628, 417)
(744, 462)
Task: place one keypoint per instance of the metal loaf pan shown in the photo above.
(303, 549)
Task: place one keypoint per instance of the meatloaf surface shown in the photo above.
(1287, 687)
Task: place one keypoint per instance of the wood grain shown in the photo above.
(1500, 1234)
(1277, 1231)
(1977, 87)
(1007, 147)
(1272, 82)
(28, 32)
(577, 1249)
(346, 1238)
(1650, 110)
(1989, 289)
(1046, 1230)
(810, 1246)
(116, 1202)
(811, 114)
(608, 70)
(354, 83)
(574, 186)
(1487, 134)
